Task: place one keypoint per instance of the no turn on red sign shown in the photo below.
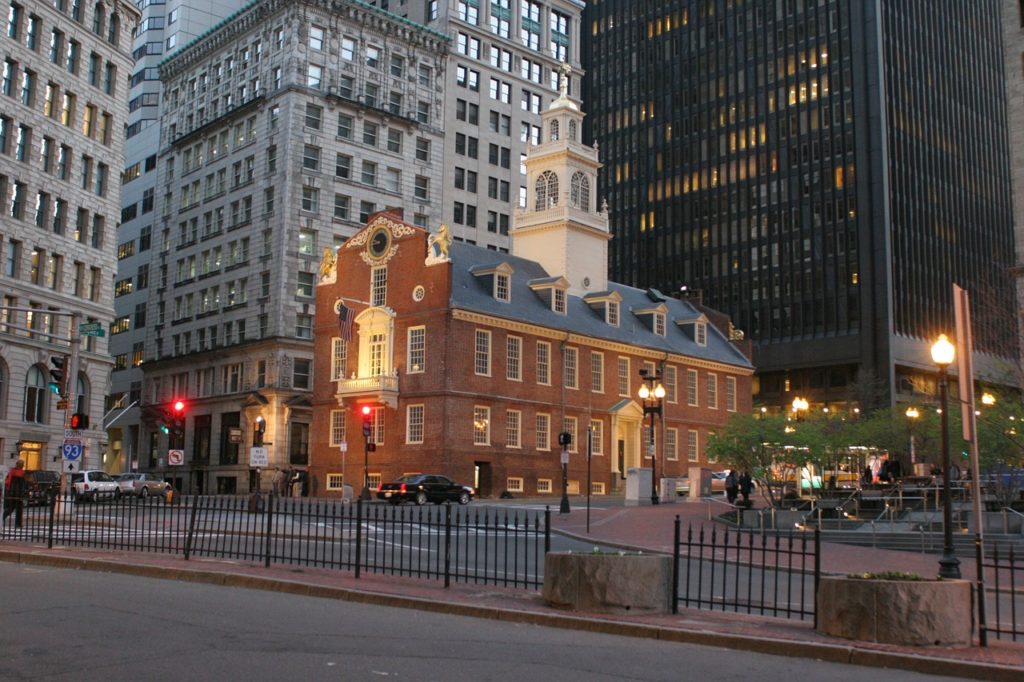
(175, 457)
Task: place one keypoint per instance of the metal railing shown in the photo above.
(770, 575)
(1001, 581)
(444, 542)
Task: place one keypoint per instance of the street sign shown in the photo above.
(258, 458)
(73, 434)
(234, 434)
(175, 457)
(72, 449)
(343, 446)
(91, 329)
(565, 456)
(63, 404)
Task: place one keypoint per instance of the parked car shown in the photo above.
(142, 485)
(42, 486)
(717, 484)
(423, 488)
(93, 485)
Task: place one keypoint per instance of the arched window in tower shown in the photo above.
(579, 191)
(546, 190)
(554, 131)
(572, 130)
(113, 29)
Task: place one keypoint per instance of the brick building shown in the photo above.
(473, 361)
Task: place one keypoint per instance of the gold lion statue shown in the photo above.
(439, 242)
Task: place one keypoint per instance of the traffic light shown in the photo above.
(565, 438)
(178, 417)
(79, 420)
(367, 421)
(58, 374)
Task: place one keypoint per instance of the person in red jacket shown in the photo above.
(14, 492)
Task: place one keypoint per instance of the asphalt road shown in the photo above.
(79, 625)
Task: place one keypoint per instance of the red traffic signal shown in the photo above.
(179, 408)
(79, 421)
(367, 420)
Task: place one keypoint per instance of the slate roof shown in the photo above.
(472, 293)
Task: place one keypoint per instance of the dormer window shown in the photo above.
(501, 288)
(558, 301)
(611, 314)
(659, 324)
(701, 334)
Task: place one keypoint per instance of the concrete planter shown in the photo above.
(907, 612)
(608, 583)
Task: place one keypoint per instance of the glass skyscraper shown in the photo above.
(821, 170)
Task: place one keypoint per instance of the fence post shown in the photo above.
(447, 545)
(269, 536)
(191, 526)
(547, 529)
(979, 555)
(49, 532)
(675, 567)
(817, 572)
(359, 534)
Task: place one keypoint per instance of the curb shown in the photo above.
(834, 653)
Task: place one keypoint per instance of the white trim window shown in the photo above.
(482, 353)
(691, 388)
(543, 485)
(571, 366)
(730, 394)
(569, 425)
(543, 431)
(692, 454)
(558, 301)
(413, 424)
(611, 313)
(544, 363)
(513, 429)
(712, 391)
(379, 286)
(672, 444)
(335, 481)
(623, 368)
(337, 427)
(671, 384)
(417, 350)
(339, 355)
(514, 358)
(514, 484)
(659, 324)
(481, 425)
(502, 290)
(597, 372)
(700, 334)
(377, 426)
(597, 436)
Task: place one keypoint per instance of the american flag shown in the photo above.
(344, 322)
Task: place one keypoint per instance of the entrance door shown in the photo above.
(482, 479)
(622, 459)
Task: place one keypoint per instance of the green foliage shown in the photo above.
(886, 575)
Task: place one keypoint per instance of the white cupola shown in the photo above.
(561, 226)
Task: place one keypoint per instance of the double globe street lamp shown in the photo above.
(652, 393)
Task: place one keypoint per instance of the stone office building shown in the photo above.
(284, 128)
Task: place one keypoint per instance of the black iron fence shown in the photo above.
(770, 575)
(1002, 593)
(461, 544)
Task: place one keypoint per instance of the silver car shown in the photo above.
(142, 485)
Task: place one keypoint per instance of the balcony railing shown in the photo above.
(384, 387)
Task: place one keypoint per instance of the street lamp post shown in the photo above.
(942, 355)
(652, 393)
(912, 415)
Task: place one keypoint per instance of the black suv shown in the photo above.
(42, 486)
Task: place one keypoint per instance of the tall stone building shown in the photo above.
(822, 171)
(503, 73)
(283, 129)
(62, 120)
(1013, 39)
(163, 30)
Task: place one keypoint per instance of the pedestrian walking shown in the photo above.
(14, 492)
(279, 481)
(746, 485)
(731, 487)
